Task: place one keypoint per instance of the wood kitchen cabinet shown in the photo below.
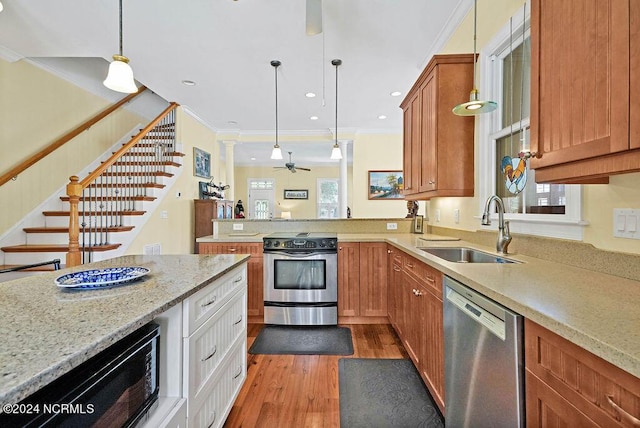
(206, 210)
(569, 386)
(394, 288)
(362, 282)
(438, 145)
(255, 269)
(585, 115)
(423, 326)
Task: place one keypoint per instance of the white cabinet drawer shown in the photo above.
(209, 346)
(213, 407)
(205, 302)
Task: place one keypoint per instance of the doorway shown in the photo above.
(261, 198)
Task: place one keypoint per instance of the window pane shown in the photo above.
(516, 94)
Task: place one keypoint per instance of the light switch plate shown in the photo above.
(392, 226)
(625, 223)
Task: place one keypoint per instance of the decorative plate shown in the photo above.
(101, 278)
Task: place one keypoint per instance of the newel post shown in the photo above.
(74, 191)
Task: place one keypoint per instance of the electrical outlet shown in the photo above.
(456, 216)
(238, 226)
(164, 214)
(392, 226)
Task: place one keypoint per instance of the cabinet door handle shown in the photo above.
(410, 265)
(389, 251)
(213, 421)
(432, 182)
(239, 321)
(209, 303)
(238, 279)
(397, 269)
(233, 250)
(624, 415)
(208, 357)
(239, 372)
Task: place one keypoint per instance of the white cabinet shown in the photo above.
(203, 354)
(214, 348)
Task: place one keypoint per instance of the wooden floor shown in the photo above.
(302, 390)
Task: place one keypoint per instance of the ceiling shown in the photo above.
(226, 46)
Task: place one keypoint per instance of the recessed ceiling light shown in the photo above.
(395, 93)
(382, 116)
(253, 159)
(310, 95)
(314, 118)
(189, 82)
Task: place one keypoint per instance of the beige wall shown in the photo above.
(36, 108)
(175, 233)
(623, 191)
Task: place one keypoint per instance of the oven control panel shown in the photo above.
(301, 244)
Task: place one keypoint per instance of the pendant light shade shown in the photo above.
(276, 153)
(474, 106)
(336, 153)
(120, 75)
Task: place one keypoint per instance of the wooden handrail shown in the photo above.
(114, 157)
(13, 172)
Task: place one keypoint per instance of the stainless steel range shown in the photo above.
(301, 279)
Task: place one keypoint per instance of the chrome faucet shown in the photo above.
(504, 237)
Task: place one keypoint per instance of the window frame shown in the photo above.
(567, 226)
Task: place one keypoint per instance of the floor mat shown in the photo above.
(303, 340)
(384, 393)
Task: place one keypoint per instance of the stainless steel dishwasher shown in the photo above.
(484, 364)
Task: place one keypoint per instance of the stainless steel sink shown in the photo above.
(466, 255)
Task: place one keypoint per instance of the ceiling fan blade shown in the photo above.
(314, 17)
(303, 169)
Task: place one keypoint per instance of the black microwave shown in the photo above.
(116, 388)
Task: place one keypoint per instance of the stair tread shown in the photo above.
(66, 229)
(156, 185)
(54, 248)
(137, 173)
(165, 163)
(66, 213)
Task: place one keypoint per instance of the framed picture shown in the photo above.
(201, 163)
(418, 222)
(296, 194)
(386, 185)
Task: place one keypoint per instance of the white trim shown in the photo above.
(567, 226)
(9, 55)
(461, 10)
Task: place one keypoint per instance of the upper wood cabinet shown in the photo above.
(438, 145)
(585, 113)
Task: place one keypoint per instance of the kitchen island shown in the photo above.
(47, 331)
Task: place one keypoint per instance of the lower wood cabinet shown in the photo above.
(569, 386)
(415, 312)
(362, 281)
(255, 267)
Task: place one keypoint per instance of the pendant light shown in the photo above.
(276, 153)
(336, 153)
(474, 106)
(120, 76)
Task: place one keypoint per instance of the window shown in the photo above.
(543, 209)
(328, 197)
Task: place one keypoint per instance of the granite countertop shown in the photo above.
(46, 331)
(596, 311)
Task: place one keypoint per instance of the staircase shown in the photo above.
(111, 206)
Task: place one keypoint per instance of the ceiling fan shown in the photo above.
(314, 17)
(291, 166)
